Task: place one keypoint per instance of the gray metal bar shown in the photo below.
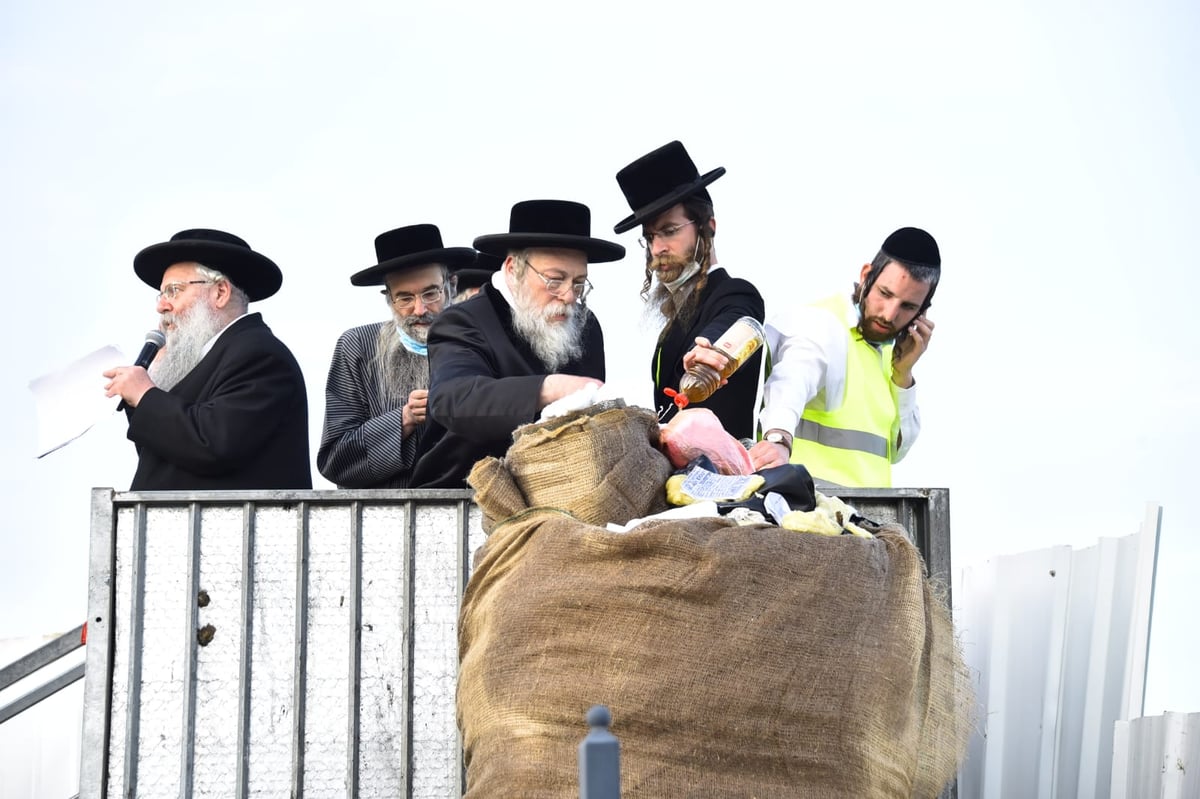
(47, 689)
(44, 655)
(137, 603)
(247, 651)
(97, 686)
(187, 748)
(408, 591)
(354, 711)
(300, 667)
(599, 758)
(463, 575)
(371, 496)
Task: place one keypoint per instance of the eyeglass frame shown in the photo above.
(176, 287)
(580, 294)
(646, 240)
(410, 300)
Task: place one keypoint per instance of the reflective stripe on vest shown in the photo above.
(851, 445)
(842, 439)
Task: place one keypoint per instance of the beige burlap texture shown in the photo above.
(737, 661)
(600, 464)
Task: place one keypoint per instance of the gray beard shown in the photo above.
(400, 371)
(554, 343)
(185, 344)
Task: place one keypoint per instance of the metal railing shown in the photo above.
(301, 641)
(35, 661)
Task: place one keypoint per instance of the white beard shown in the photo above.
(185, 344)
(554, 343)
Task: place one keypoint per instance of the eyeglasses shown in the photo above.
(554, 285)
(404, 302)
(172, 290)
(667, 233)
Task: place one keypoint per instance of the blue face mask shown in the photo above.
(412, 345)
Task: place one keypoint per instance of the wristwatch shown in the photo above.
(778, 437)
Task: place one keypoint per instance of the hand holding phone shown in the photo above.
(911, 343)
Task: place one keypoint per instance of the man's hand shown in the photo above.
(764, 455)
(907, 352)
(557, 386)
(128, 382)
(704, 352)
(414, 411)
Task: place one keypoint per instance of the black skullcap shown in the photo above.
(913, 246)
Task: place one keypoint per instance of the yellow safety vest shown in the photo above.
(853, 444)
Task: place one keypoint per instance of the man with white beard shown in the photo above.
(377, 389)
(224, 404)
(695, 300)
(526, 340)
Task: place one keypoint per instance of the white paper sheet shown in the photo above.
(70, 401)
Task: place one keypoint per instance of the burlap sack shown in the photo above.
(600, 464)
(737, 661)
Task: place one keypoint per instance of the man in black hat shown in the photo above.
(376, 394)
(468, 282)
(696, 300)
(840, 397)
(224, 404)
(526, 340)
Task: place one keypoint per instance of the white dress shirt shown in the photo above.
(808, 349)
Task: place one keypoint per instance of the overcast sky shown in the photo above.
(1050, 147)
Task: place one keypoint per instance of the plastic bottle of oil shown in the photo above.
(738, 343)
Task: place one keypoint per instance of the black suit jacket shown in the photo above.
(484, 383)
(239, 420)
(723, 301)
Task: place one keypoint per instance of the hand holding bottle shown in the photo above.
(710, 365)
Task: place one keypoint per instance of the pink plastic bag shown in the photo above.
(698, 431)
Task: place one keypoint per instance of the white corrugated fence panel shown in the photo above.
(1057, 639)
(1157, 757)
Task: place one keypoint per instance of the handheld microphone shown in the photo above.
(155, 340)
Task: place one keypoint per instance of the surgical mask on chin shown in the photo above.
(687, 274)
(412, 345)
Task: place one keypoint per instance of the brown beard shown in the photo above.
(679, 306)
(667, 267)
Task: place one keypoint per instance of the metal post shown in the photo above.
(599, 758)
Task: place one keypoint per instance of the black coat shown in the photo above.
(723, 301)
(239, 420)
(484, 383)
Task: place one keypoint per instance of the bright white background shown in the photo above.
(1051, 147)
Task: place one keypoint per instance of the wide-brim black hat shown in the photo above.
(252, 272)
(479, 272)
(407, 247)
(558, 224)
(659, 180)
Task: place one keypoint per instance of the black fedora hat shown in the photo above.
(409, 246)
(558, 224)
(479, 272)
(658, 180)
(252, 272)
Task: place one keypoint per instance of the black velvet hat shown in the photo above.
(558, 224)
(413, 245)
(660, 179)
(913, 246)
(479, 273)
(252, 272)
